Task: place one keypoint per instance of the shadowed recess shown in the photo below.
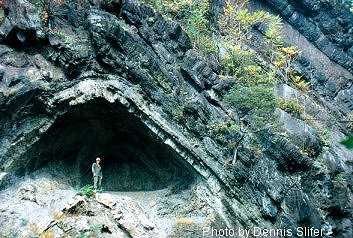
(133, 158)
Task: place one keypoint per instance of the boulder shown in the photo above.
(22, 23)
(74, 205)
(28, 192)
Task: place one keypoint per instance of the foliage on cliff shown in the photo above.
(253, 95)
(256, 75)
(193, 15)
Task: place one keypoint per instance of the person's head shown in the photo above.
(98, 160)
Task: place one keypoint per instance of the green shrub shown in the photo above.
(192, 14)
(234, 59)
(273, 31)
(236, 24)
(252, 96)
(86, 190)
(248, 98)
(300, 84)
(291, 106)
(223, 131)
(321, 165)
(257, 103)
(238, 60)
(324, 135)
(237, 21)
(281, 56)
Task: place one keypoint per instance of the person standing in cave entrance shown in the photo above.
(97, 175)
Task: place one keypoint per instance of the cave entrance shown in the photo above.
(133, 158)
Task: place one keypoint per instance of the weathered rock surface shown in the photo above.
(57, 211)
(121, 82)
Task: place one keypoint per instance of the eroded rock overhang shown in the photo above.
(118, 91)
(106, 101)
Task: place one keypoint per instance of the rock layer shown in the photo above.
(120, 77)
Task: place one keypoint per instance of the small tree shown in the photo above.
(238, 20)
(236, 25)
(255, 105)
(252, 98)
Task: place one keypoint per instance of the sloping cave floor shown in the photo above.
(33, 202)
(135, 164)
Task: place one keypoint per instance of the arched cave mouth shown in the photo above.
(133, 157)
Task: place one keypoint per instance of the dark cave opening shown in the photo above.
(133, 157)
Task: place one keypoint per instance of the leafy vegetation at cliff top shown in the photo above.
(193, 16)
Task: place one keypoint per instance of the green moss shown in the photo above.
(179, 114)
(63, 37)
(122, 24)
(341, 179)
(320, 164)
(163, 83)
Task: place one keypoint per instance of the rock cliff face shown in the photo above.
(118, 80)
(324, 33)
